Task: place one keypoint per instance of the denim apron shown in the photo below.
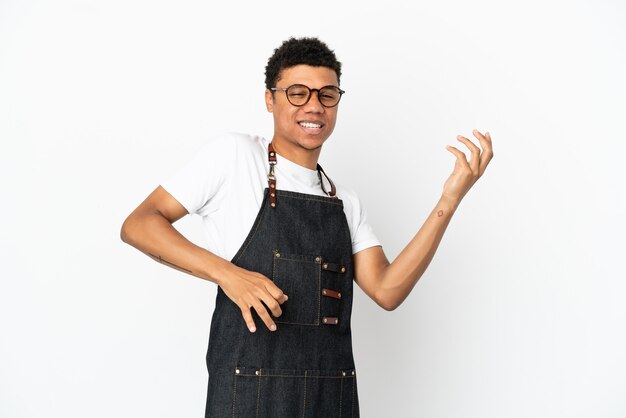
(305, 368)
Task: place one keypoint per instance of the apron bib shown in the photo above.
(305, 368)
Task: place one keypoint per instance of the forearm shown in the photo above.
(399, 277)
(153, 235)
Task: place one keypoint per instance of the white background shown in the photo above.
(521, 313)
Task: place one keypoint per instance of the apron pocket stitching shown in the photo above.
(340, 396)
(258, 394)
(304, 403)
(234, 394)
(353, 400)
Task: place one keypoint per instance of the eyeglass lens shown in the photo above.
(299, 95)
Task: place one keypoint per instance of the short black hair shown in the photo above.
(292, 52)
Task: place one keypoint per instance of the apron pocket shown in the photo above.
(268, 393)
(282, 393)
(298, 276)
(331, 393)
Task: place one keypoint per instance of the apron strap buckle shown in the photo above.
(271, 178)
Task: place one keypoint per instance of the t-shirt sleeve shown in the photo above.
(362, 233)
(195, 184)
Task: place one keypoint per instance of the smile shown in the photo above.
(310, 125)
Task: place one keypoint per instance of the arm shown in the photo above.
(388, 284)
(149, 229)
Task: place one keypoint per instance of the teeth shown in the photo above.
(310, 125)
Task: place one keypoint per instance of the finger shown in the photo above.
(273, 290)
(461, 160)
(485, 140)
(474, 161)
(271, 287)
(276, 292)
(265, 317)
(487, 154)
(273, 305)
(247, 317)
(481, 138)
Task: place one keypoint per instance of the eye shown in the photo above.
(297, 91)
(329, 93)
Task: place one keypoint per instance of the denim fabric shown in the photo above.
(305, 368)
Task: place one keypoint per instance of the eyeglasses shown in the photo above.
(299, 94)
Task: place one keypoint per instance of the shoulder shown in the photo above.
(236, 140)
(350, 198)
(232, 145)
(344, 192)
(361, 231)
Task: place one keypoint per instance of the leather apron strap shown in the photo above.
(271, 177)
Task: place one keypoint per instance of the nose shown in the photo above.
(314, 105)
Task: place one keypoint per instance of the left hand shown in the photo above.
(466, 173)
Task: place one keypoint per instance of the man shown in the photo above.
(295, 241)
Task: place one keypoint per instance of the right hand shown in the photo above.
(249, 289)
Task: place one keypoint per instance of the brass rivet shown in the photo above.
(273, 205)
(339, 294)
(237, 371)
(325, 265)
(352, 372)
(343, 373)
(325, 320)
(324, 292)
(256, 372)
(343, 269)
(277, 255)
(318, 259)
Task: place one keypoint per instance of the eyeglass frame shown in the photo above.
(341, 92)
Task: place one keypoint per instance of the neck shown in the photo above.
(296, 153)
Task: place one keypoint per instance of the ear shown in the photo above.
(269, 101)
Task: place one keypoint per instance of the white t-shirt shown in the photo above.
(224, 184)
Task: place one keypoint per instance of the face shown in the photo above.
(307, 126)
